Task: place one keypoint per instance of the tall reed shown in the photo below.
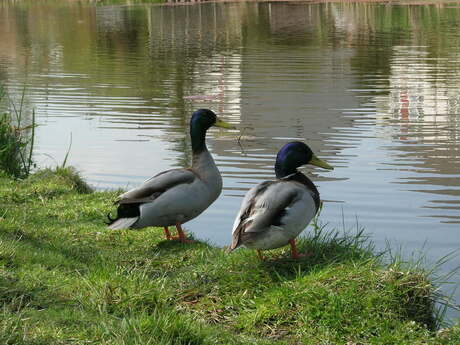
(16, 139)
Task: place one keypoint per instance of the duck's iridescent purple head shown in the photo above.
(293, 155)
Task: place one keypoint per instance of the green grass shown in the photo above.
(66, 279)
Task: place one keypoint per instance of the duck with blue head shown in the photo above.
(175, 196)
(274, 213)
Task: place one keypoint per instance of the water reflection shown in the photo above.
(373, 89)
(420, 115)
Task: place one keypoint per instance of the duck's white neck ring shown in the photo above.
(288, 176)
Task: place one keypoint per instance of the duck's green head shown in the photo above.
(293, 155)
(201, 121)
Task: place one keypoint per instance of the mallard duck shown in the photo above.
(175, 196)
(274, 213)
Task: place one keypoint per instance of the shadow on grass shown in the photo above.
(45, 243)
(176, 245)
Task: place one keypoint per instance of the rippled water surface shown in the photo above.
(373, 89)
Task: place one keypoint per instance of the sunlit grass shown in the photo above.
(66, 279)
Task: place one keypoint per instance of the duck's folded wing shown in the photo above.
(157, 185)
(262, 207)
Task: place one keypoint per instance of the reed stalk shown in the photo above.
(16, 140)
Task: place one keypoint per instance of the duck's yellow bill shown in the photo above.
(223, 124)
(320, 163)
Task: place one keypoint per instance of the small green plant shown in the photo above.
(16, 141)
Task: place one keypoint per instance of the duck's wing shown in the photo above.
(157, 185)
(264, 206)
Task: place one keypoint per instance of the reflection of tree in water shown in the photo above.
(190, 39)
(379, 28)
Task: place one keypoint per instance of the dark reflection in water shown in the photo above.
(374, 89)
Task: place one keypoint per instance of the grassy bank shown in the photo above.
(65, 279)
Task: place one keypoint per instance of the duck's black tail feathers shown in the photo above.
(127, 215)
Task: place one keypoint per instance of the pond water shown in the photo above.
(374, 89)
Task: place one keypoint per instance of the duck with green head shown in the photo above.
(175, 196)
(274, 213)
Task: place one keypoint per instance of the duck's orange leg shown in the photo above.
(181, 235)
(167, 233)
(259, 254)
(294, 253)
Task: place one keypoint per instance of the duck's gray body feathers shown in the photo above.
(274, 212)
(171, 197)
